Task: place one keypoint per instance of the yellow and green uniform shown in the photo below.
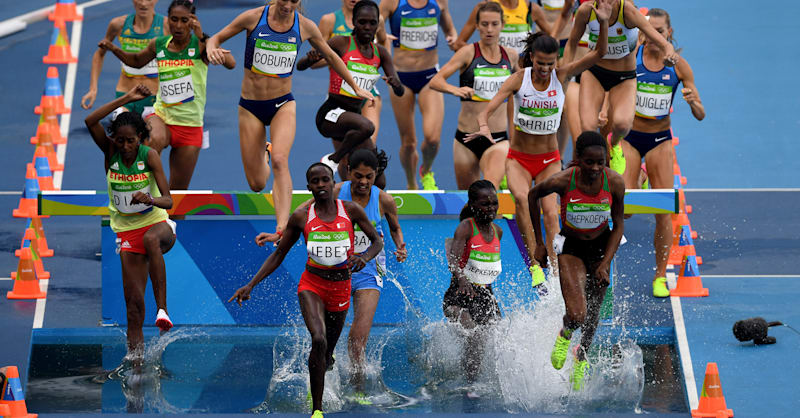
(517, 26)
(123, 182)
(134, 42)
(340, 26)
(182, 78)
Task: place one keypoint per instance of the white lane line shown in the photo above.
(10, 193)
(683, 345)
(5, 278)
(751, 276)
(755, 189)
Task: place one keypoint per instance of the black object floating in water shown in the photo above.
(755, 329)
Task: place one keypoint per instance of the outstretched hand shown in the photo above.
(356, 263)
(602, 10)
(139, 92)
(601, 273)
(401, 253)
(242, 294)
(265, 237)
(216, 56)
(483, 132)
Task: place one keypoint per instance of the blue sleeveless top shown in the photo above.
(416, 29)
(654, 89)
(376, 266)
(272, 53)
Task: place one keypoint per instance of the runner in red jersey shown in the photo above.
(591, 194)
(324, 288)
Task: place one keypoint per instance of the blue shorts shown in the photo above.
(644, 141)
(265, 110)
(417, 80)
(366, 280)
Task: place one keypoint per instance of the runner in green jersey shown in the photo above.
(182, 69)
(133, 31)
(138, 196)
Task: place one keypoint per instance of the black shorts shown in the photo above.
(335, 104)
(482, 308)
(645, 141)
(480, 144)
(265, 110)
(591, 252)
(608, 79)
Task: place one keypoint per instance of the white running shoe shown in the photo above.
(327, 161)
(162, 320)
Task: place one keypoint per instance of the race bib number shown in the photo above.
(365, 76)
(273, 58)
(418, 33)
(333, 115)
(176, 86)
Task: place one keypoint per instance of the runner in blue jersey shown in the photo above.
(415, 25)
(651, 136)
(274, 33)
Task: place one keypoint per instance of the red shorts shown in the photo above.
(131, 241)
(185, 135)
(335, 295)
(534, 163)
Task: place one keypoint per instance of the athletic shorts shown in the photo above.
(181, 136)
(334, 294)
(265, 110)
(534, 163)
(482, 308)
(591, 252)
(330, 111)
(480, 144)
(646, 141)
(417, 80)
(132, 241)
(368, 280)
(139, 105)
(609, 79)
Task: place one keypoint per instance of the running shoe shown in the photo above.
(330, 163)
(660, 289)
(617, 159)
(309, 399)
(578, 373)
(537, 275)
(269, 152)
(317, 414)
(559, 354)
(428, 182)
(162, 320)
(383, 161)
(504, 183)
(361, 399)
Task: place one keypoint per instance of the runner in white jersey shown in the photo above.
(533, 155)
(616, 72)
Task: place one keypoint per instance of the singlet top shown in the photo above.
(485, 77)
(363, 70)
(621, 40)
(272, 53)
(517, 25)
(585, 213)
(480, 261)
(329, 244)
(416, 29)
(340, 27)
(130, 41)
(552, 4)
(376, 266)
(182, 77)
(123, 182)
(655, 90)
(538, 112)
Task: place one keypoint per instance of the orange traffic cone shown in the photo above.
(31, 240)
(683, 246)
(52, 95)
(26, 285)
(65, 11)
(48, 124)
(59, 52)
(28, 241)
(28, 203)
(675, 141)
(689, 282)
(45, 141)
(43, 173)
(12, 398)
(36, 224)
(712, 402)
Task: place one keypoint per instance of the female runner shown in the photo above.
(591, 194)
(533, 155)
(138, 194)
(340, 117)
(616, 72)
(134, 32)
(181, 99)
(651, 136)
(414, 24)
(274, 34)
(324, 289)
(484, 66)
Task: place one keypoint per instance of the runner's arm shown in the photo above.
(537, 16)
(595, 55)
(634, 16)
(467, 30)
(114, 29)
(689, 90)
(92, 121)
(578, 29)
(556, 183)
(137, 60)
(243, 22)
(314, 57)
(387, 8)
(359, 217)
(507, 90)
(562, 20)
(389, 208)
(617, 185)
(165, 200)
(318, 42)
(446, 22)
(458, 62)
(391, 77)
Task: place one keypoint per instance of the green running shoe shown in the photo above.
(537, 275)
(309, 399)
(617, 159)
(660, 289)
(317, 414)
(428, 182)
(361, 398)
(578, 372)
(559, 354)
(504, 183)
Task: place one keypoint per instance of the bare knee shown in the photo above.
(319, 343)
(621, 128)
(280, 162)
(574, 319)
(151, 242)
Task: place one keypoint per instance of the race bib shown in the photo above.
(273, 58)
(653, 100)
(176, 86)
(553, 4)
(150, 70)
(537, 121)
(587, 216)
(418, 33)
(482, 268)
(365, 76)
(487, 82)
(122, 196)
(333, 115)
(618, 46)
(328, 248)
(514, 36)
